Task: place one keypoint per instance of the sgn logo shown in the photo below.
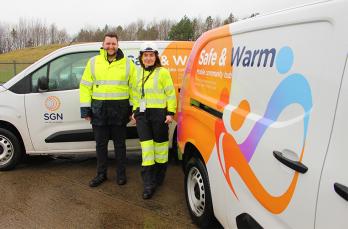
(52, 104)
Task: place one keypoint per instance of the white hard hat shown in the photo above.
(148, 46)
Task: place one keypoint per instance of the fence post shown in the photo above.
(14, 68)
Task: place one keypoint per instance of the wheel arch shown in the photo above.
(190, 150)
(10, 127)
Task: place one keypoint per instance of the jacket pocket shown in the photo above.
(97, 108)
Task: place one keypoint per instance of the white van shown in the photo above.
(263, 118)
(48, 122)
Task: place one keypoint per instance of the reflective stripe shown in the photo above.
(85, 104)
(155, 101)
(110, 95)
(169, 88)
(155, 78)
(161, 149)
(146, 149)
(159, 156)
(127, 69)
(152, 90)
(92, 63)
(111, 82)
(147, 161)
(85, 82)
(173, 97)
(138, 76)
(148, 157)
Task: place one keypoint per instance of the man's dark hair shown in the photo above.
(111, 35)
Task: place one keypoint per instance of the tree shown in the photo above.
(254, 14)
(131, 32)
(53, 31)
(182, 31)
(230, 19)
(163, 28)
(208, 23)
(14, 37)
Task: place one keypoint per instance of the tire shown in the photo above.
(10, 150)
(198, 195)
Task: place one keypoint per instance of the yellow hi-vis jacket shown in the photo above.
(102, 80)
(159, 90)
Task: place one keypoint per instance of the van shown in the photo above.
(262, 121)
(47, 122)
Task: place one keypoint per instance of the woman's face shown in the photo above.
(148, 58)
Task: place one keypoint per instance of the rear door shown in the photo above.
(333, 194)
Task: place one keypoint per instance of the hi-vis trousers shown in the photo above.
(153, 134)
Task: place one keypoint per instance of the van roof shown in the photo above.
(314, 2)
(94, 46)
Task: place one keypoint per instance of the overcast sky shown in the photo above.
(75, 14)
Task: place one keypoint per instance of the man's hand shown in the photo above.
(169, 119)
(88, 118)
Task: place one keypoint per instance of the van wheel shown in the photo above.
(10, 150)
(198, 196)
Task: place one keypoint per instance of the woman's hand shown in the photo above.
(133, 121)
(169, 119)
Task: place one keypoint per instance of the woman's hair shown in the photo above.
(157, 61)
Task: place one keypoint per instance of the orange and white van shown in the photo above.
(48, 121)
(262, 121)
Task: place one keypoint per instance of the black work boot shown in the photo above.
(160, 173)
(121, 178)
(148, 193)
(96, 181)
(149, 187)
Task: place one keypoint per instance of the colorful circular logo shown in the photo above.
(52, 103)
(285, 60)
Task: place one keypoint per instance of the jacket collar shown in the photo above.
(119, 54)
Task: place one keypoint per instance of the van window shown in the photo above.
(42, 72)
(65, 72)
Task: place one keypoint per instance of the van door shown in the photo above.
(280, 114)
(333, 193)
(53, 116)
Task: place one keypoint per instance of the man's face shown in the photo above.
(110, 45)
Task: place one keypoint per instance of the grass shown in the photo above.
(27, 55)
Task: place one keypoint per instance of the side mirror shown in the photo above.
(42, 84)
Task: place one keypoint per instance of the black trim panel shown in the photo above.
(206, 108)
(83, 135)
(341, 190)
(245, 220)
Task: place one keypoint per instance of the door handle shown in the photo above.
(295, 165)
(341, 190)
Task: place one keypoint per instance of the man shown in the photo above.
(104, 98)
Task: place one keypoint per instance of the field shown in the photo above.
(27, 55)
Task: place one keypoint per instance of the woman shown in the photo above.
(154, 105)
